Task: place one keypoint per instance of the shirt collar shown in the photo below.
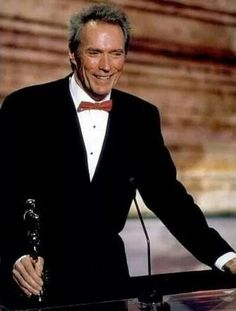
(78, 94)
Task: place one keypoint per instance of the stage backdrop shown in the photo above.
(182, 59)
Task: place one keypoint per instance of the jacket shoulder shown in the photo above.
(130, 101)
(34, 92)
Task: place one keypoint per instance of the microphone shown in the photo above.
(132, 181)
(149, 301)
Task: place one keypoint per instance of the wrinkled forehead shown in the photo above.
(102, 34)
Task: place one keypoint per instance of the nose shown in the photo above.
(105, 63)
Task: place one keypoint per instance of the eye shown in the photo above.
(93, 52)
(117, 53)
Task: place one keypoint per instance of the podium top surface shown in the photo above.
(211, 300)
(187, 291)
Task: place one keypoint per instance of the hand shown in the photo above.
(231, 266)
(27, 273)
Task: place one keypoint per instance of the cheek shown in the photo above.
(86, 68)
(90, 65)
(119, 65)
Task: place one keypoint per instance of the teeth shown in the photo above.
(103, 78)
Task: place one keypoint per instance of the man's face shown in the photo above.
(99, 58)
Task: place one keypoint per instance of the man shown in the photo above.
(82, 165)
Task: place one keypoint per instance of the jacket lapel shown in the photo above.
(74, 148)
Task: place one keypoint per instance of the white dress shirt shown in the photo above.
(93, 125)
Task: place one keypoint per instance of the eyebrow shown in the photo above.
(99, 50)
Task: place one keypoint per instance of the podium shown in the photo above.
(184, 291)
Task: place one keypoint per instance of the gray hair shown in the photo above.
(99, 12)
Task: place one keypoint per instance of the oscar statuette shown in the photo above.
(32, 223)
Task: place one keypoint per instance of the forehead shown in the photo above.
(102, 33)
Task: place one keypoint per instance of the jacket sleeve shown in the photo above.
(168, 198)
(12, 233)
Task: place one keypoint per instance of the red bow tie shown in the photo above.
(105, 105)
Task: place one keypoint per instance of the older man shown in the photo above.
(79, 147)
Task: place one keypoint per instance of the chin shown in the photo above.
(102, 93)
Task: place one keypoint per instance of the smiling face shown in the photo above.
(100, 58)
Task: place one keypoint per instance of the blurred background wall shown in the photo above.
(182, 59)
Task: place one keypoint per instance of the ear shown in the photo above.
(72, 58)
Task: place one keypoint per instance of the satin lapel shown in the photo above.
(74, 148)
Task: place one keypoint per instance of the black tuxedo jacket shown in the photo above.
(44, 157)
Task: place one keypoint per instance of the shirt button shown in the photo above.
(94, 126)
(91, 153)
